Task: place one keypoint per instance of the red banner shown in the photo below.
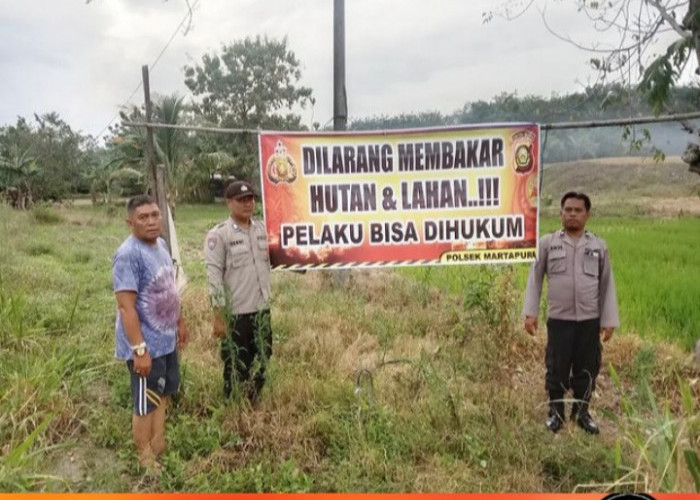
(462, 195)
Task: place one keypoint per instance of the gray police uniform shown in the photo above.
(238, 271)
(238, 267)
(581, 300)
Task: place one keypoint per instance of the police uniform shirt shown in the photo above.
(580, 283)
(238, 266)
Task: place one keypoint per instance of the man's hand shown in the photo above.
(531, 324)
(606, 333)
(183, 334)
(142, 365)
(218, 325)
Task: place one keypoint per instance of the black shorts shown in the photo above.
(164, 379)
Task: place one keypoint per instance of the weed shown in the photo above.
(46, 215)
(38, 249)
(663, 445)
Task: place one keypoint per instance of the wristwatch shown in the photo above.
(139, 349)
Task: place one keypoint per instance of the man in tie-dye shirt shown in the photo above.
(149, 324)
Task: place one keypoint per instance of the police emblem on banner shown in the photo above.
(523, 158)
(281, 166)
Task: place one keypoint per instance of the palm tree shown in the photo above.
(169, 142)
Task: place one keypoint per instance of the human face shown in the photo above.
(574, 215)
(146, 222)
(241, 209)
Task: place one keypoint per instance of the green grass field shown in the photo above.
(414, 380)
(656, 268)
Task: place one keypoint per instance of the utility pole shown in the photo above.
(340, 97)
(150, 146)
(156, 174)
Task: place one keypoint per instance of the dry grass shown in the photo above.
(626, 186)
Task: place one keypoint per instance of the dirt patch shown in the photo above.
(72, 468)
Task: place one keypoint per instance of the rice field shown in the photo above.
(656, 264)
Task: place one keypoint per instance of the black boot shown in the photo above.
(555, 418)
(579, 413)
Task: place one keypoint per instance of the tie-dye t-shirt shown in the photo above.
(148, 271)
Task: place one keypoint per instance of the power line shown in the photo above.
(155, 62)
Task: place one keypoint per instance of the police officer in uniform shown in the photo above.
(238, 271)
(582, 309)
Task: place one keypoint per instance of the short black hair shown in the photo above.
(579, 196)
(139, 201)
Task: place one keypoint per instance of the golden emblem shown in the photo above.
(522, 143)
(280, 166)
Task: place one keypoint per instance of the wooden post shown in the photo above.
(162, 200)
(156, 173)
(150, 145)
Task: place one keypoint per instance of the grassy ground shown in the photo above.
(656, 270)
(416, 380)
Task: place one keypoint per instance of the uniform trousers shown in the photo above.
(573, 359)
(245, 352)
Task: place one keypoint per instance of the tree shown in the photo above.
(169, 142)
(637, 25)
(253, 83)
(46, 160)
(18, 171)
(128, 144)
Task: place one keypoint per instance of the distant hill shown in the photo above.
(625, 186)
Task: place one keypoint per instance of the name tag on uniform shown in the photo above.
(238, 242)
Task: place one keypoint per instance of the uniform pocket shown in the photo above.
(240, 256)
(262, 247)
(591, 261)
(556, 262)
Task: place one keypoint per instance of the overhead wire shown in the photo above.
(187, 17)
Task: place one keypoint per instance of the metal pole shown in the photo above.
(340, 98)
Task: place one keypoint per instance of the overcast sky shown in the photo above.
(83, 60)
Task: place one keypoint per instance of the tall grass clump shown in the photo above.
(658, 450)
(13, 465)
(46, 215)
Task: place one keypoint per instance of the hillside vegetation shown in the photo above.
(625, 186)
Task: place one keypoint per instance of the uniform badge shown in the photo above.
(281, 166)
(522, 144)
(211, 243)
